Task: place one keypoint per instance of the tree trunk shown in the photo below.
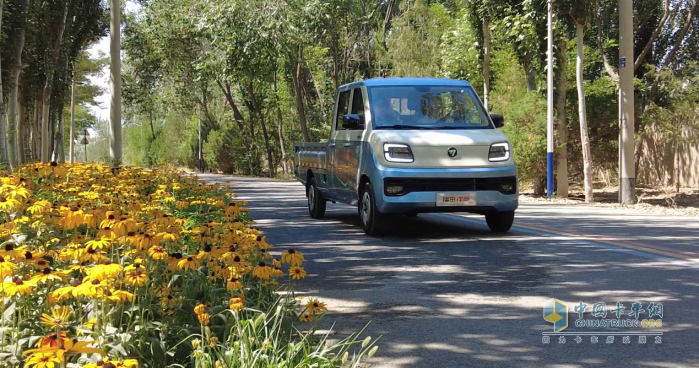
(298, 92)
(21, 129)
(46, 100)
(280, 127)
(71, 143)
(115, 144)
(3, 127)
(35, 145)
(59, 149)
(268, 147)
(529, 73)
(562, 128)
(486, 63)
(13, 142)
(582, 111)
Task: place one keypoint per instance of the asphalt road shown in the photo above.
(442, 291)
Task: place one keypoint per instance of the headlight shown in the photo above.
(397, 152)
(499, 152)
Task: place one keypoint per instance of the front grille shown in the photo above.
(504, 185)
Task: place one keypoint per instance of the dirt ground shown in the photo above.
(660, 200)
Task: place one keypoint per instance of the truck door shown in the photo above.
(336, 180)
(353, 144)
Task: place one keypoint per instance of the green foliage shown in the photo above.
(525, 121)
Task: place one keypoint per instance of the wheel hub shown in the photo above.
(366, 208)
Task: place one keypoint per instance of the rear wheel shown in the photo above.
(372, 219)
(501, 221)
(316, 202)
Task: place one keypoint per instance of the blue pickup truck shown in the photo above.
(403, 146)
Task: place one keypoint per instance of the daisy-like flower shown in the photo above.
(297, 272)
(232, 209)
(237, 302)
(157, 252)
(121, 296)
(261, 242)
(213, 341)
(277, 272)
(59, 316)
(306, 318)
(72, 217)
(168, 235)
(45, 359)
(292, 257)
(189, 263)
(89, 254)
(200, 309)
(234, 284)
(262, 271)
(137, 277)
(8, 204)
(11, 252)
(59, 340)
(49, 275)
(204, 318)
(99, 243)
(90, 288)
(106, 233)
(205, 254)
(17, 287)
(276, 263)
(313, 306)
(7, 268)
(105, 270)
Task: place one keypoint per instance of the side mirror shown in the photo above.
(498, 120)
(353, 122)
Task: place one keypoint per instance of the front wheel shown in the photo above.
(372, 219)
(501, 221)
(316, 203)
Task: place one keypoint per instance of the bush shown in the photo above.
(145, 268)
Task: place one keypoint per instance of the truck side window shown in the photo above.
(358, 102)
(342, 104)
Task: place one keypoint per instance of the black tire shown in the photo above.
(372, 220)
(316, 203)
(411, 214)
(501, 221)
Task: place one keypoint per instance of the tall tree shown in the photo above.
(48, 85)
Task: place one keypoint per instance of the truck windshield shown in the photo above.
(427, 107)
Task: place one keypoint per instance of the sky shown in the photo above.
(102, 110)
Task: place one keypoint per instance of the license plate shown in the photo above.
(456, 199)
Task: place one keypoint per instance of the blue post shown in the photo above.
(549, 174)
(549, 104)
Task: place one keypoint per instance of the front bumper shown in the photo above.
(424, 199)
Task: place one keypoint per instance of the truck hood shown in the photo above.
(443, 138)
(430, 147)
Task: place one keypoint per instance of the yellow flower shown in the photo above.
(58, 340)
(49, 275)
(136, 277)
(99, 243)
(167, 236)
(262, 271)
(58, 317)
(7, 268)
(204, 318)
(104, 271)
(292, 257)
(189, 263)
(314, 306)
(8, 204)
(200, 309)
(89, 254)
(17, 287)
(236, 303)
(196, 343)
(297, 272)
(213, 341)
(90, 288)
(10, 252)
(234, 284)
(72, 217)
(45, 359)
(306, 318)
(157, 252)
(276, 263)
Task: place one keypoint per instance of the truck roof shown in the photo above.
(396, 81)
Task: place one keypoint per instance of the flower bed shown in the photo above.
(147, 268)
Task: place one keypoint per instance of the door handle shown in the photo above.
(347, 144)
